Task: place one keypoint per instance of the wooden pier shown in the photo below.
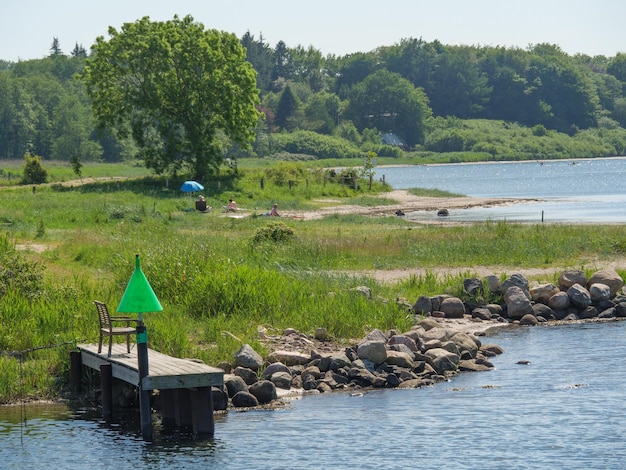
(184, 385)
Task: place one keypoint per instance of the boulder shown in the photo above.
(403, 339)
(528, 320)
(599, 292)
(220, 399)
(281, 380)
(517, 303)
(442, 360)
(372, 349)
(234, 384)
(423, 306)
(273, 368)
(559, 301)
(248, 357)
(244, 400)
(541, 310)
(453, 307)
(290, 358)
(264, 391)
(473, 286)
(517, 280)
(493, 283)
(570, 277)
(608, 277)
(248, 375)
(579, 297)
(400, 359)
(543, 293)
(467, 343)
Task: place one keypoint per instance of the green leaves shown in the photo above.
(173, 86)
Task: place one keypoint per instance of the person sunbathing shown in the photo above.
(231, 207)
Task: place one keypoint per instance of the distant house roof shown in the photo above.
(389, 138)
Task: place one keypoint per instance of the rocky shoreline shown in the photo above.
(445, 340)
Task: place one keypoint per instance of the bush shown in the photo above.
(34, 172)
(311, 143)
(275, 232)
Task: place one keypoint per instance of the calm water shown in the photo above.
(587, 190)
(564, 410)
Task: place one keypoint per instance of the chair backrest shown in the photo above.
(103, 314)
(201, 205)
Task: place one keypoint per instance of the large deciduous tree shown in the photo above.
(175, 88)
(390, 103)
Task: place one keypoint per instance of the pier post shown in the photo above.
(106, 390)
(202, 411)
(145, 414)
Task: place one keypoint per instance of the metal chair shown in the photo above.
(107, 328)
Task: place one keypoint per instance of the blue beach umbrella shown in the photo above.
(191, 186)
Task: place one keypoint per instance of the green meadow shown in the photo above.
(65, 244)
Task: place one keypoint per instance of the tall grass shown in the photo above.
(218, 282)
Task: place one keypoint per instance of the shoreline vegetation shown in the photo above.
(222, 279)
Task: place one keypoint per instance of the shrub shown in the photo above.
(274, 232)
(34, 172)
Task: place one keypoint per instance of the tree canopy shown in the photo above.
(176, 88)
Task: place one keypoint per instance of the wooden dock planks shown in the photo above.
(165, 372)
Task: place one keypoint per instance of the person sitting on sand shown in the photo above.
(274, 211)
(231, 207)
(201, 205)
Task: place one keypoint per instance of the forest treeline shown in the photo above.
(495, 102)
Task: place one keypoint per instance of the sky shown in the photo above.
(340, 27)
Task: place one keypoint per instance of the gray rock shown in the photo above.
(453, 307)
(244, 400)
(248, 357)
(423, 306)
(273, 368)
(517, 303)
(543, 293)
(466, 342)
(363, 290)
(528, 320)
(481, 313)
(541, 310)
(264, 391)
(220, 398)
(599, 292)
(442, 360)
(579, 296)
(405, 340)
(473, 286)
(234, 384)
(559, 301)
(570, 277)
(493, 283)
(289, 358)
(609, 277)
(517, 280)
(400, 359)
(248, 375)
(339, 361)
(373, 349)
(589, 312)
(281, 379)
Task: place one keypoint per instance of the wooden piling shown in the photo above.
(106, 390)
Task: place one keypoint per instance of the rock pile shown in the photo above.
(430, 352)
(575, 298)
(444, 342)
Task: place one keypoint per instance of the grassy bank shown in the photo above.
(216, 275)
